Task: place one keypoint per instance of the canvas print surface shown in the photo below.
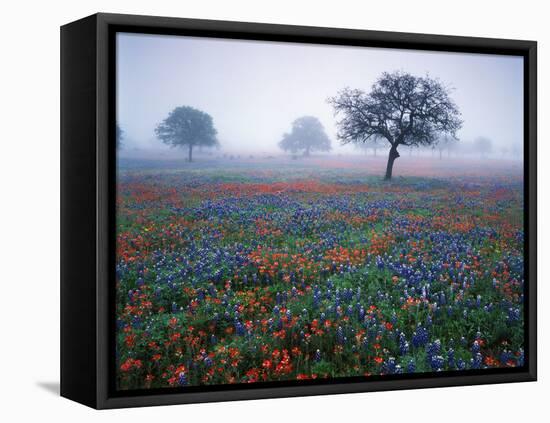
(291, 212)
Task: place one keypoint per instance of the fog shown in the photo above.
(254, 90)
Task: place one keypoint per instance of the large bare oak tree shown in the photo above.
(401, 108)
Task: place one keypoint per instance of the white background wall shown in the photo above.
(29, 208)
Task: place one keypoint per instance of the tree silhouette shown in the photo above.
(119, 136)
(374, 145)
(401, 108)
(186, 126)
(483, 146)
(307, 135)
(445, 142)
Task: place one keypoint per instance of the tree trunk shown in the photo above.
(440, 154)
(190, 152)
(306, 152)
(391, 158)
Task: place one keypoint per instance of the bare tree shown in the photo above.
(401, 108)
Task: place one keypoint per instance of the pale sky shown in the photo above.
(255, 89)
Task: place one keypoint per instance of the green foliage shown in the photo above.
(187, 126)
(307, 135)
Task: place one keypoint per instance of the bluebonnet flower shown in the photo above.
(403, 344)
(317, 357)
(389, 366)
(451, 358)
(477, 361)
(361, 314)
(521, 358)
(437, 362)
(340, 335)
(420, 336)
(239, 328)
(429, 321)
(182, 379)
(136, 322)
(434, 348)
(316, 300)
(506, 356)
(514, 315)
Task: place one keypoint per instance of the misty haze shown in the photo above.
(291, 211)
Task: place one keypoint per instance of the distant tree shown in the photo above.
(445, 142)
(517, 151)
(411, 148)
(504, 150)
(186, 126)
(307, 135)
(373, 145)
(483, 146)
(119, 136)
(401, 108)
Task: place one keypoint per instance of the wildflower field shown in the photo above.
(241, 273)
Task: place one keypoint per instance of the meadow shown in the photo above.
(255, 271)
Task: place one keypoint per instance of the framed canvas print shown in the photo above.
(254, 211)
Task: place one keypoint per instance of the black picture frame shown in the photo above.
(88, 193)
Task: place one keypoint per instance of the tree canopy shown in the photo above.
(307, 135)
(187, 126)
(401, 108)
(119, 136)
(446, 142)
(483, 145)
